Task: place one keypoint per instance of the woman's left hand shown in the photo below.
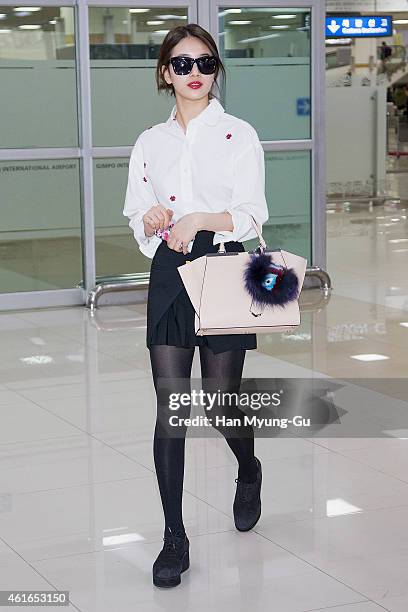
(183, 231)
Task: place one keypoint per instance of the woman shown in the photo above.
(203, 171)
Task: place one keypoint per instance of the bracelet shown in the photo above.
(165, 233)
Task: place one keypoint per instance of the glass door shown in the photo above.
(274, 80)
(124, 102)
(40, 207)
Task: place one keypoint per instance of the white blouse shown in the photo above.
(216, 166)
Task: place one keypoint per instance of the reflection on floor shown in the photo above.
(80, 508)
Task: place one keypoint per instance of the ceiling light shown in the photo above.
(404, 324)
(30, 26)
(154, 22)
(242, 22)
(369, 357)
(279, 27)
(138, 10)
(285, 17)
(30, 9)
(5, 31)
(275, 11)
(400, 21)
(171, 17)
(231, 10)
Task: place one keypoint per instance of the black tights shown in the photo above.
(224, 371)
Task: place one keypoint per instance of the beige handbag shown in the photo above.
(223, 305)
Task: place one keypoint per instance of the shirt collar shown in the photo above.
(209, 115)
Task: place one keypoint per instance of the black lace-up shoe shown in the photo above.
(247, 502)
(173, 559)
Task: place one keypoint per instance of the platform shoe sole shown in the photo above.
(171, 582)
(253, 524)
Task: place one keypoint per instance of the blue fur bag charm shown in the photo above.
(268, 283)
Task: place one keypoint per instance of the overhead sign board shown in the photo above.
(340, 26)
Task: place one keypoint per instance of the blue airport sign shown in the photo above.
(303, 106)
(359, 26)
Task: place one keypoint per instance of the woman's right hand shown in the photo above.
(157, 217)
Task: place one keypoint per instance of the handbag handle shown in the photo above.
(262, 243)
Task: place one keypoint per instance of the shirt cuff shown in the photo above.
(243, 228)
(147, 244)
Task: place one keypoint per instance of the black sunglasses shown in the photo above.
(184, 64)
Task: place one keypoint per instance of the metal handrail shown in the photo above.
(133, 323)
(322, 276)
(142, 282)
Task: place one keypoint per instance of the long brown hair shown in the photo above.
(173, 37)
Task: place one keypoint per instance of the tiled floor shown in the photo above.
(79, 503)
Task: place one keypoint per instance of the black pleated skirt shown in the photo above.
(170, 313)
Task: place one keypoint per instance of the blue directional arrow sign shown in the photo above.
(303, 106)
(359, 26)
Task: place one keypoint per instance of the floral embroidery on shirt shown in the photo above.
(228, 136)
(144, 164)
(145, 179)
(172, 198)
